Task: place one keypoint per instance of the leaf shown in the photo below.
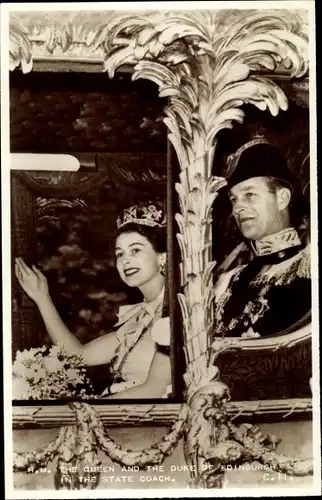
(259, 41)
(257, 23)
(122, 56)
(146, 35)
(52, 42)
(183, 112)
(189, 24)
(175, 59)
(66, 38)
(26, 66)
(168, 91)
(171, 33)
(184, 307)
(99, 37)
(126, 23)
(140, 52)
(235, 72)
(155, 48)
(224, 120)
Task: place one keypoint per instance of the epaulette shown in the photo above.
(304, 269)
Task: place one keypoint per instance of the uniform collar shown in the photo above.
(277, 242)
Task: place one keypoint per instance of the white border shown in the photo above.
(314, 255)
(6, 261)
(144, 6)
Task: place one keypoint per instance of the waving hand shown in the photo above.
(33, 282)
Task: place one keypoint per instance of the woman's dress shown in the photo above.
(141, 330)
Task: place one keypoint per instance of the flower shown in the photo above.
(49, 373)
(73, 375)
(39, 374)
(20, 388)
(55, 350)
(26, 355)
(52, 365)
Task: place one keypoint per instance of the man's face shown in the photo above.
(257, 210)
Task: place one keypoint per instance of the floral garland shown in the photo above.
(210, 435)
(79, 445)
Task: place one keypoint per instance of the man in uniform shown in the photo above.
(273, 291)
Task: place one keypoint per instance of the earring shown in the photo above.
(162, 267)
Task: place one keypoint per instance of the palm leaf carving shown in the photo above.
(217, 72)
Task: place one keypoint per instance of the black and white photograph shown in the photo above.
(160, 248)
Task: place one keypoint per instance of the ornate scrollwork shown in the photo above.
(67, 184)
(44, 205)
(205, 425)
(208, 64)
(212, 441)
(20, 51)
(79, 446)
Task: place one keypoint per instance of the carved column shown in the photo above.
(26, 322)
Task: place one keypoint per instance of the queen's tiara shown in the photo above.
(146, 215)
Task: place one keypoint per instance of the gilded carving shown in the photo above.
(208, 64)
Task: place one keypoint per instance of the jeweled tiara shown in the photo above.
(145, 215)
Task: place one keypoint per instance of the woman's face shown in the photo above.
(136, 260)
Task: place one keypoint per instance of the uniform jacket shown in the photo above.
(269, 294)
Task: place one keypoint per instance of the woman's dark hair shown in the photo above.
(156, 235)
